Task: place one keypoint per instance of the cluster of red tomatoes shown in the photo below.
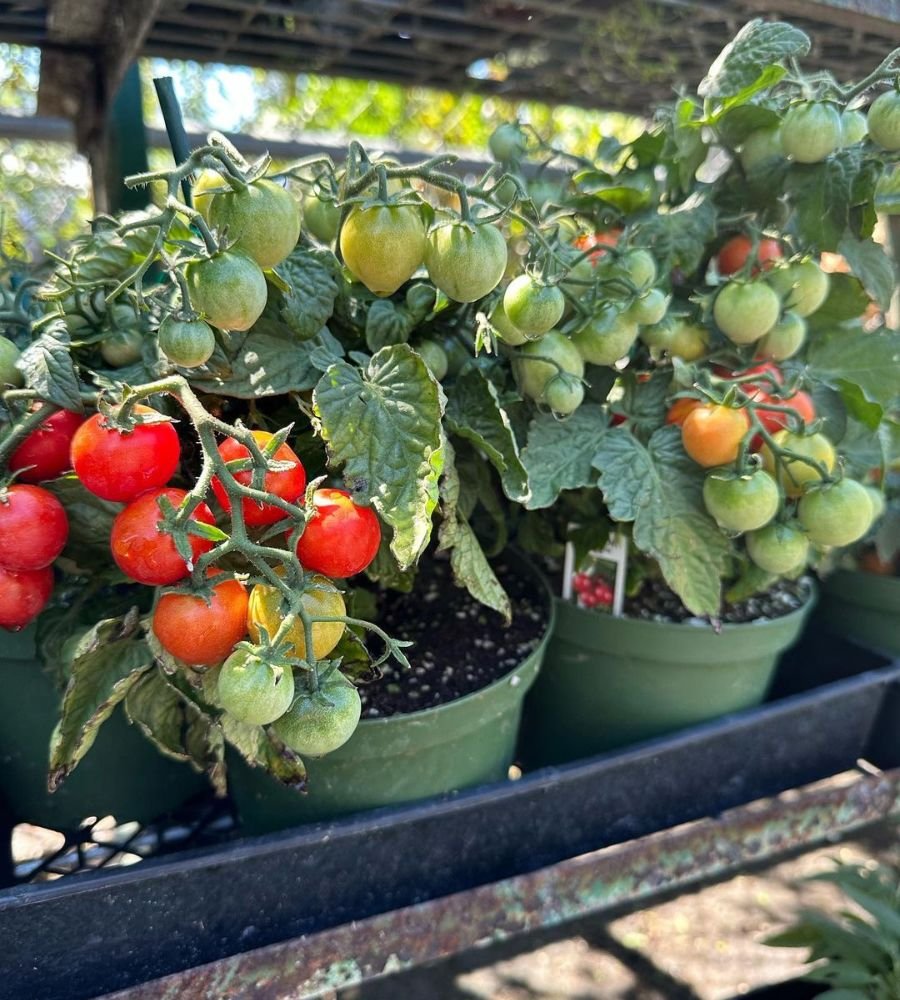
(593, 591)
(134, 467)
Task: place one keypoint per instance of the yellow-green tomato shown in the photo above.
(321, 218)
(186, 343)
(539, 361)
(263, 219)
(792, 472)
(784, 339)
(607, 337)
(650, 308)
(837, 514)
(761, 146)
(854, 126)
(884, 120)
(532, 306)
(9, 355)
(687, 340)
(465, 260)
(741, 503)
(229, 289)
(803, 286)
(778, 548)
(746, 311)
(383, 245)
(252, 690)
(811, 130)
(319, 722)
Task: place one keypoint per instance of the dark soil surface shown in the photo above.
(656, 602)
(460, 645)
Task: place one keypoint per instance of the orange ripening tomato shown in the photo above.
(712, 434)
(734, 253)
(679, 410)
(199, 633)
(588, 241)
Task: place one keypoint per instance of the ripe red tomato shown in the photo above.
(734, 253)
(199, 633)
(340, 538)
(289, 485)
(800, 402)
(33, 527)
(117, 465)
(588, 241)
(146, 553)
(44, 454)
(23, 595)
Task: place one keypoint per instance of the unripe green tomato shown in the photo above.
(383, 245)
(9, 355)
(793, 474)
(563, 394)
(229, 289)
(464, 260)
(507, 143)
(688, 340)
(639, 267)
(606, 337)
(650, 308)
(836, 515)
(854, 126)
(252, 691)
(746, 311)
(317, 724)
(761, 146)
(778, 548)
(784, 339)
(580, 272)
(457, 355)
(508, 333)
(884, 120)
(420, 299)
(532, 307)
(186, 343)
(533, 372)
(811, 131)
(741, 503)
(124, 347)
(802, 286)
(264, 219)
(321, 218)
(434, 356)
(207, 180)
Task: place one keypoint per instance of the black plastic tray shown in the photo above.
(113, 929)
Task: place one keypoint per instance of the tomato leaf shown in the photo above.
(658, 487)
(90, 519)
(267, 360)
(678, 239)
(474, 412)
(48, 368)
(384, 569)
(383, 425)
(870, 360)
(386, 324)
(887, 192)
(113, 657)
(308, 306)
(559, 454)
(822, 194)
(869, 414)
(737, 123)
(474, 572)
(176, 726)
(872, 266)
(757, 45)
(847, 299)
(261, 748)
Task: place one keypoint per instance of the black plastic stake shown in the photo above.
(178, 140)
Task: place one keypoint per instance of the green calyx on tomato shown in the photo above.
(262, 219)
(741, 503)
(229, 289)
(746, 311)
(803, 286)
(884, 120)
(778, 548)
(811, 131)
(383, 245)
(533, 307)
(320, 721)
(836, 514)
(465, 260)
(121, 348)
(252, 690)
(186, 343)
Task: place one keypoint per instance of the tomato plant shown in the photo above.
(44, 454)
(320, 721)
(712, 434)
(340, 538)
(143, 550)
(201, 633)
(288, 483)
(119, 464)
(33, 527)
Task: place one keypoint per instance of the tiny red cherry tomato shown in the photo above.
(288, 484)
(23, 595)
(33, 527)
(341, 538)
(44, 454)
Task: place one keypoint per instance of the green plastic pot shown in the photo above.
(402, 758)
(122, 775)
(864, 607)
(608, 682)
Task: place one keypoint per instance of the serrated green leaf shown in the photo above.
(658, 487)
(847, 300)
(872, 266)
(869, 360)
(261, 749)
(267, 360)
(387, 324)
(869, 414)
(176, 726)
(559, 454)
(756, 46)
(735, 124)
(383, 425)
(678, 239)
(474, 572)
(645, 402)
(822, 194)
(112, 658)
(474, 412)
(48, 368)
(308, 306)
(887, 192)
